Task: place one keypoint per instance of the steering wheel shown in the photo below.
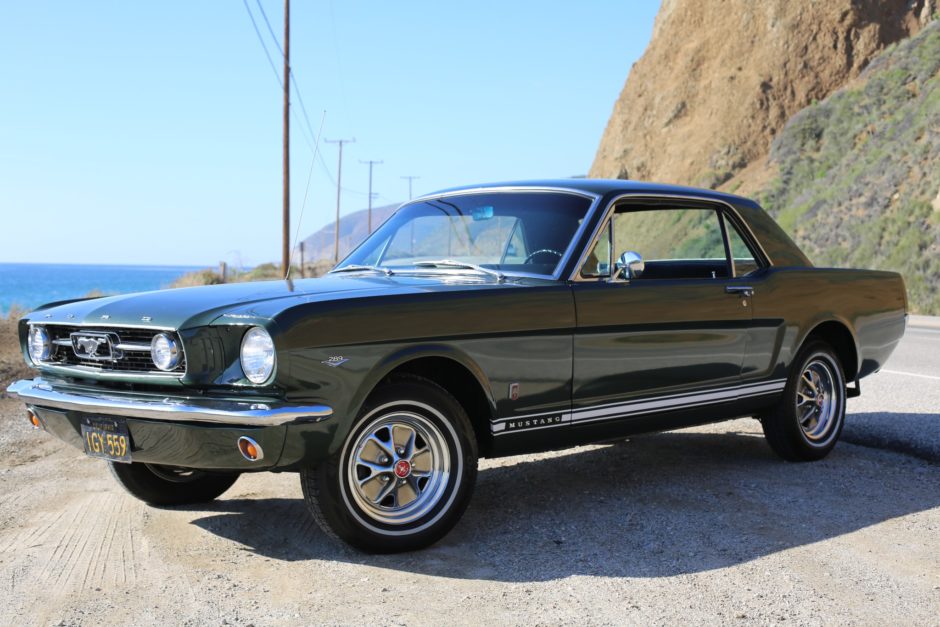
(543, 251)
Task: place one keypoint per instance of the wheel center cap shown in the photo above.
(402, 469)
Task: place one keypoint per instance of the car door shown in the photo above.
(662, 323)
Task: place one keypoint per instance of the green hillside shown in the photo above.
(859, 173)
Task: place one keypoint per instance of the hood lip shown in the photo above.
(102, 323)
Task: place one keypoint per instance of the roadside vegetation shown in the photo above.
(263, 272)
(12, 365)
(859, 173)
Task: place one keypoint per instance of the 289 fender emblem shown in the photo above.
(335, 360)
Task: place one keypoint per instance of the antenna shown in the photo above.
(285, 239)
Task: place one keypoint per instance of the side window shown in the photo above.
(597, 263)
(673, 243)
(745, 262)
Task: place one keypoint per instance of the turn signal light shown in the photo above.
(33, 419)
(250, 449)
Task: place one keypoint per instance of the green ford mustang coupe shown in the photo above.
(483, 321)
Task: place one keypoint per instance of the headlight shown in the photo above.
(40, 347)
(257, 355)
(165, 352)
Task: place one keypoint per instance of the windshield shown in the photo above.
(527, 232)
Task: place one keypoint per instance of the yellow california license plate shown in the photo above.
(106, 438)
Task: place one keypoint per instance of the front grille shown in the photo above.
(122, 360)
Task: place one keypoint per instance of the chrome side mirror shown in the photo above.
(630, 265)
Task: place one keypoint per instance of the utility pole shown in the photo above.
(339, 188)
(371, 163)
(410, 179)
(285, 244)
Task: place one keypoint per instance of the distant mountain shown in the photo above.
(353, 228)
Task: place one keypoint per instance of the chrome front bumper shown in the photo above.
(41, 393)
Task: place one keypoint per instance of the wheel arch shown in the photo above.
(454, 371)
(838, 335)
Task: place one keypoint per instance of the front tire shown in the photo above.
(169, 485)
(404, 475)
(806, 423)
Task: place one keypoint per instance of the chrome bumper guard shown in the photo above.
(41, 393)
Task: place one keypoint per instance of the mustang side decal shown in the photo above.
(638, 407)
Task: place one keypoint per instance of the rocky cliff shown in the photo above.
(855, 178)
(720, 78)
(827, 112)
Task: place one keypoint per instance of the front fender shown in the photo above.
(348, 375)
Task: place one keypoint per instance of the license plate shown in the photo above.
(107, 439)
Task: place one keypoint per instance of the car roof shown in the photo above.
(602, 187)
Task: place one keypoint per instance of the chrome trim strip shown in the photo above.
(638, 407)
(127, 346)
(503, 188)
(576, 271)
(40, 393)
(107, 374)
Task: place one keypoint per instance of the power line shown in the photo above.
(270, 30)
(264, 46)
(310, 138)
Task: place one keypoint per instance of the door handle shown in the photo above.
(740, 289)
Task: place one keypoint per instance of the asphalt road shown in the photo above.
(700, 526)
(899, 408)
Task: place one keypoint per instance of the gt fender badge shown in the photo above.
(335, 360)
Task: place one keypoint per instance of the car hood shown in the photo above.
(195, 306)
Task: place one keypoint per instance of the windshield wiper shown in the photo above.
(450, 263)
(361, 268)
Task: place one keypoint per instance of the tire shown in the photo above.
(168, 485)
(404, 475)
(804, 425)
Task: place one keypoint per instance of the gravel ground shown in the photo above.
(700, 526)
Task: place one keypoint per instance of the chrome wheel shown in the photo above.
(817, 400)
(399, 467)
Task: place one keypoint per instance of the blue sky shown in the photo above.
(150, 133)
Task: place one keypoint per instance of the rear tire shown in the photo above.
(168, 485)
(404, 475)
(807, 421)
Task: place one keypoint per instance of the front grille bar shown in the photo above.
(131, 348)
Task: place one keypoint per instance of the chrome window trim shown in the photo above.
(514, 189)
(608, 211)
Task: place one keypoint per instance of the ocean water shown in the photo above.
(29, 285)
